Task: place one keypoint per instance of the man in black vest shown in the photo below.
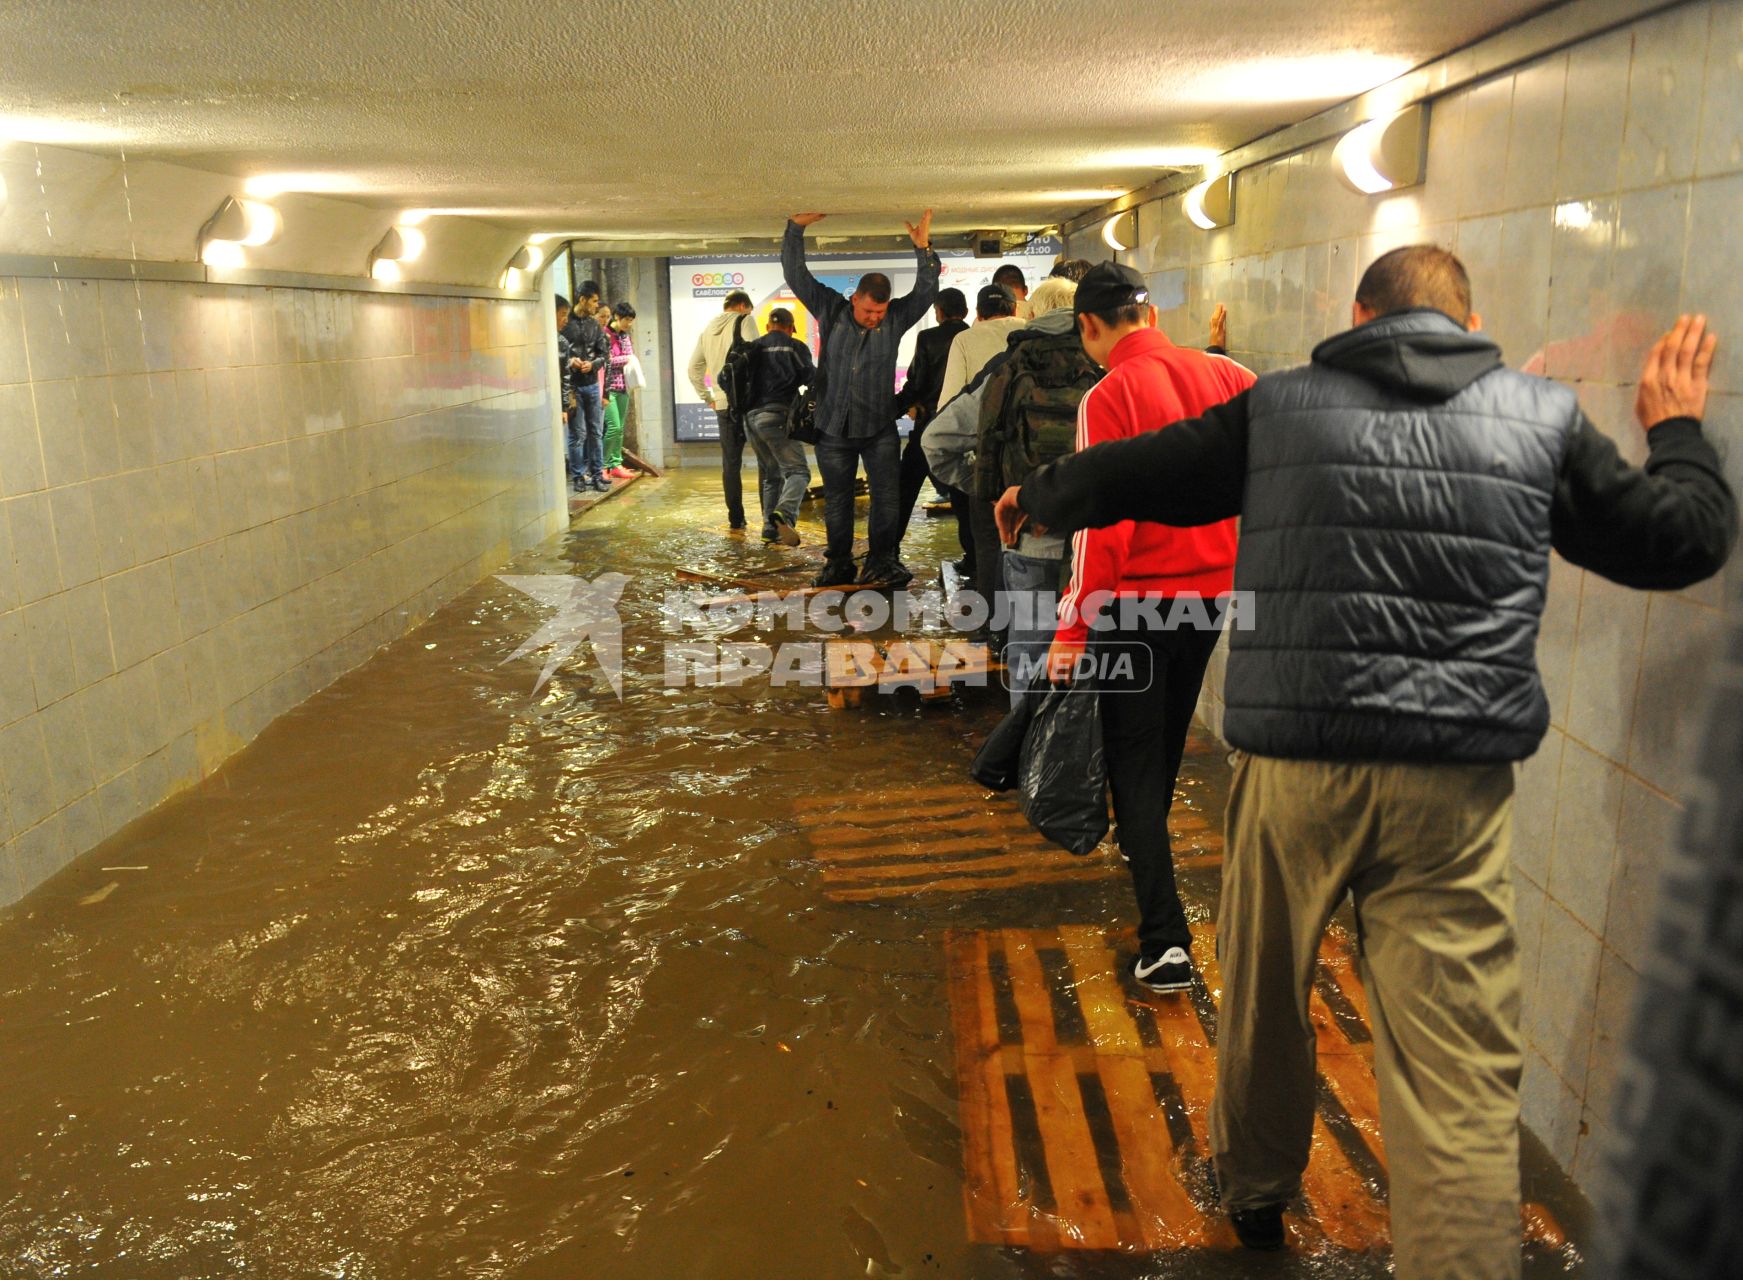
(1399, 496)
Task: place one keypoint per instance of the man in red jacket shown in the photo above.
(1147, 707)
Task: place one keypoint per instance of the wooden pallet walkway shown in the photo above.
(939, 838)
(1084, 1101)
(931, 668)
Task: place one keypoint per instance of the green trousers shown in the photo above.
(1423, 851)
(616, 410)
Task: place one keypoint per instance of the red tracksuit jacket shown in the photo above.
(1150, 383)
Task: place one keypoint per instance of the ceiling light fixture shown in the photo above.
(1385, 154)
(400, 244)
(527, 259)
(1211, 204)
(235, 225)
(1120, 232)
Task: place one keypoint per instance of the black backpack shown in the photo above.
(1028, 412)
(736, 372)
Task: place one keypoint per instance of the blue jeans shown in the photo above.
(783, 475)
(839, 460)
(587, 435)
(1032, 588)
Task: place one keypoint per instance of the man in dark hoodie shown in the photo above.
(1399, 496)
(589, 352)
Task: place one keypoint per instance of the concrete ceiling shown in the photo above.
(665, 120)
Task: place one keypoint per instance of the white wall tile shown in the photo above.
(14, 362)
(1646, 275)
(1607, 659)
(1582, 248)
(1594, 115)
(1534, 133)
(75, 534)
(1588, 809)
(63, 330)
(1682, 638)
(1721, 144)
(1644, 840)
(1561, 1028)
(1664, 97)
(1713, 206)
(21, 466)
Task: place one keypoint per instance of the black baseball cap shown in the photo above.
(994, 296)
(1107, 286)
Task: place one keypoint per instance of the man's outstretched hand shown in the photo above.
(1674, 383)
(922, 234)
(1219, 327)
(806, 219)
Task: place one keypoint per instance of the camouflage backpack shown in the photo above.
(1028, 413)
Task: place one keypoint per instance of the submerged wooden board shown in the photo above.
(1084, 1102)
(929, 667)
(935, 838)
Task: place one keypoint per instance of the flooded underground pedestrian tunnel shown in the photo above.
(440, 976)
(1099, 643)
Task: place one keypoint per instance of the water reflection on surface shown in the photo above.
(440, 979)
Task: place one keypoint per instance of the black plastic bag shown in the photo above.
(1063, 771)
(996, 764)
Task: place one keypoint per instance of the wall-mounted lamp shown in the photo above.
(400, 244)
(1211, 204)
(1385, 154)
(238, 224)
(1120, 232)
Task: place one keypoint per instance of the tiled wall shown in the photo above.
(214, 500)
(1592, 194)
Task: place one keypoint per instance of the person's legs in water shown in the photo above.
(592, 428)
(1145, 719)
(838, 464)
(732, 466)
(914, 475)
(1032, 596)
(960, 512)
(781, 461)
(989, 556)
(1425, 852)
(882, 455)
(768, 482)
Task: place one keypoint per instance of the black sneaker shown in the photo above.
(769, 533)
(836, 573)
(785, 533)
(964, 568)
(1170, 971)
(886, 571)
(1260, 1228)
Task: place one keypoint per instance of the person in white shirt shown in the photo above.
(705, 361)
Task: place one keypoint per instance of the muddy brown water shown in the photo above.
(439, 978)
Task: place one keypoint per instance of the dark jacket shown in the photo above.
(859, 364)
(587, 341)
(780, 365)
(1400, 496)
(926, 372)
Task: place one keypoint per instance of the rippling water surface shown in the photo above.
(440, 978)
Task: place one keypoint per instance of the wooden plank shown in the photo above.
(984, 821)
(957, 844)
(851, 663)
(1166, 1215)
(961, 802)
(1339, 955)
(1073, 1168)
(996, 1211)
(977, 884)
(894, 795)
(907, 870)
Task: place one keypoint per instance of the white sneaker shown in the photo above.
(1170, 971)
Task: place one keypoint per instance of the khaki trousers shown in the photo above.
(1424, 852)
